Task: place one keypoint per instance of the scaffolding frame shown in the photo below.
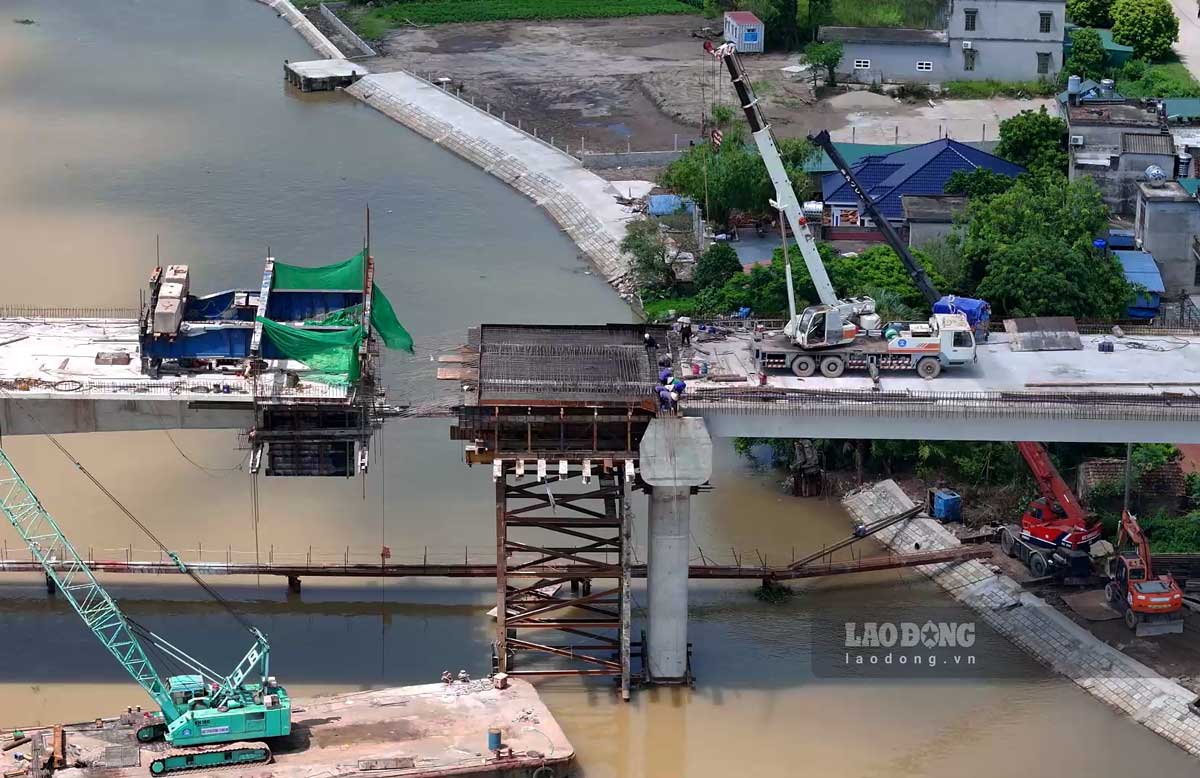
(582, 531)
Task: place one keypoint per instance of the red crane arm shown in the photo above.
(1131, 530)
(1050, 483)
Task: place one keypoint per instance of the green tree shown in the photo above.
(645, 244)
(1149, 26)
(826, 56)
(1087, 54)
(716, 266)
(878, 268)
(736, 177)
(779, 18)
(980, 182)
(1030, 250)
(1035, 140)
(1090, 13)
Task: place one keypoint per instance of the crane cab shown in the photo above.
(185, 688)
(822, 326)
(955, 336)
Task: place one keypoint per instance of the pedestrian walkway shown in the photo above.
(1188, 45)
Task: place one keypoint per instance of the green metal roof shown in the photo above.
(1182, 107)
(1106, 38)
(1192, 185)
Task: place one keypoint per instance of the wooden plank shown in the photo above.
(457, 373)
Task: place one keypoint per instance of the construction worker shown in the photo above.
(664, 376)
(685, 332)
(664, 398)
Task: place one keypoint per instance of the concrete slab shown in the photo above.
(45, 359)
(434, 729)
(327, 68)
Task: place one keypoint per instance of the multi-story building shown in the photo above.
(1006, 40)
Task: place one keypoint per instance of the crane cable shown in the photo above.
(129, 514)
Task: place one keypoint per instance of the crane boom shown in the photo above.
(1050, 483)
(785, 195)
(75, 580)
(915, 271)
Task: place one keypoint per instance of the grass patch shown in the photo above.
(373, 22)
(985, 90)
(1162, 79)
(880, 13)
(657, 309)
(763, 87)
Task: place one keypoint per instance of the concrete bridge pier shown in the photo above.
(675, 456)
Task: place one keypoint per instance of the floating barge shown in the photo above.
(424, 731)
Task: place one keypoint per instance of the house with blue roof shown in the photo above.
(1142, 271)
(919, 170)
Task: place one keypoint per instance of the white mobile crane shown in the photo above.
(841, 333)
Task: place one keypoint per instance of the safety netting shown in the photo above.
(345, 276)
(331, 356)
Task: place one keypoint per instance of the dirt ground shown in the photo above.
(644, 83)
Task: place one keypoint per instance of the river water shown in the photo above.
(129, 119)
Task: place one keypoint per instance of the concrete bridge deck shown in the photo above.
(1147, 390)
(49, 369)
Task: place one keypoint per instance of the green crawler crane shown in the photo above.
(205, 715)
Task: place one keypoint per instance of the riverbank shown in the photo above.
(582, 203)
(1155, 702)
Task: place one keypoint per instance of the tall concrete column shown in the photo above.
(667, 581)
(676, 455)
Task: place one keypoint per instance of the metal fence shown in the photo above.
(65, 312)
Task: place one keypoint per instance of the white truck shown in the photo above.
(841, 333)
(943, 341)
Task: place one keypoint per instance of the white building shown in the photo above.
(744, 31)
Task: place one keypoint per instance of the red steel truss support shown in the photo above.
(561, 625)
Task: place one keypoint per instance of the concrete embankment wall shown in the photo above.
(581, 202)
(302, 25)
(611, 160)
(1044, 633)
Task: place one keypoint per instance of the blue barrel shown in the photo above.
(494, 739)
(947, 505)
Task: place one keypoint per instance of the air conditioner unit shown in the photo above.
(1076, 140)
(967, 45)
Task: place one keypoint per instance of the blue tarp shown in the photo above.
(1121, 239)
(667, 204)
(1141, 269)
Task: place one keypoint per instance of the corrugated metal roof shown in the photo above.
(1180, 108)
(743, 18)
(1140, 268)
(1147, 143)
(920, 170)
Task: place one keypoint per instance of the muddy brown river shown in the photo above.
(128, 119)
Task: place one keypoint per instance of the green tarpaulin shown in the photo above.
(345, 276)
(332, 356)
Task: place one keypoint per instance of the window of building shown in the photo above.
(1043, 62)
(862, 64)
(1044, 21)
(968, 59)
(970, 17)
(924, 67)
(750, 36)
(847, 217)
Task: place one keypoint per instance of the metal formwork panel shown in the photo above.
(575, 622)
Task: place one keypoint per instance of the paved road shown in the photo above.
(1188, 45)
